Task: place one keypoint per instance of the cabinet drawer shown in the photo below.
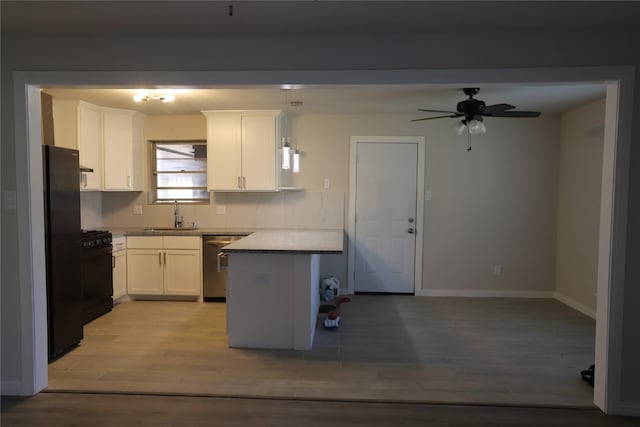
(182, 242)
(144, 242)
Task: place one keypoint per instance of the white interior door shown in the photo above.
(385, 209)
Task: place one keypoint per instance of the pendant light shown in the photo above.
(286, 142)
(287, 149)
(296, 161)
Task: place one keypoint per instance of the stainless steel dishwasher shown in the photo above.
(214, 267)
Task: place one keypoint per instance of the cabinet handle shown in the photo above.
(160, 258)
(239, 182)
(165, 258)
(244, 182)
(129, 181)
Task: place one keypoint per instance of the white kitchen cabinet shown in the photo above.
(164, 265)
(242, 150)
(89, 122)
(121, 141)
(119, 259)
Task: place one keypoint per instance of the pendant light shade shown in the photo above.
(296, 161)
(286, 156)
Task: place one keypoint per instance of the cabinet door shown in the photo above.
(119, 274)
(117, 132)
(145, 271)
(259, 152)
(90, 146)
(182, 272)
(223, 152)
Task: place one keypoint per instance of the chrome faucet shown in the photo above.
(177, 218)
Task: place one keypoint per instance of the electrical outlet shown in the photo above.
(137, 209)
(427, 195)
(326, 183)
(497, 270)
(221, 209)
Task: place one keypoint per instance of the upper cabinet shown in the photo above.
(90, 145)
(121, 142)
(242, 150)
(111, 143)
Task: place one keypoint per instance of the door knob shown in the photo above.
(410, 220)
(411, 231)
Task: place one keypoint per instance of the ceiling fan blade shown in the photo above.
(515, 114)
(437, 117)
(496, 108)
(438, 111)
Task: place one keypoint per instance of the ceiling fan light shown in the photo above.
(476, 127)
(459, 127)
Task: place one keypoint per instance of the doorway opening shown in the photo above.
(28, 130)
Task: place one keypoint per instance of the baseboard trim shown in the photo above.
(629, 409)
(11, 388)
(575, 305)
(471, 293)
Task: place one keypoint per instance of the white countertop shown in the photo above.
(292, 241)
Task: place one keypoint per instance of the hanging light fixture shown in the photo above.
(287, 149)
(286, 143)
(296, 161)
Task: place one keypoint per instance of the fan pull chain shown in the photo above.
(468, 140)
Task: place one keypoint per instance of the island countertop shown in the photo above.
(290, 241)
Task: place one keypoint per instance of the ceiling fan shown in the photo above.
(473, 110)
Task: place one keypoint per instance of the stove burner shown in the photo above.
(95, 238)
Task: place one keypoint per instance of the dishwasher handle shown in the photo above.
(223, 261)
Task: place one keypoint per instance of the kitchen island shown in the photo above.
(272, 292)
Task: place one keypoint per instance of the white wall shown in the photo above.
(579, 184)
(493, 205)
(551, 50)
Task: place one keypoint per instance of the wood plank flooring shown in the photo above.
(387, 349)
(98, 410)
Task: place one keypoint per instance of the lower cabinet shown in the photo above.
(164, 265)
(119, 274)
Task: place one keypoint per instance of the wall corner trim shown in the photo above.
(575, 305)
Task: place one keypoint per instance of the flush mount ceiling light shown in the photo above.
(156, 95)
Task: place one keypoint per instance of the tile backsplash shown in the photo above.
(303, 209)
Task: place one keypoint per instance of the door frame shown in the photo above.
(614, 197)
(351, 220)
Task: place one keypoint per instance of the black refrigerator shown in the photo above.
(63, 248)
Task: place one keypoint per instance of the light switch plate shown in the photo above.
(137, 209)
(427, 195)
(10, 200)
(326, 183)
(221, 209)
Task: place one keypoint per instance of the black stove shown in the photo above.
(95, 238)
(97, 273)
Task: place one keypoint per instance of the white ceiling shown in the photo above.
(340, 99)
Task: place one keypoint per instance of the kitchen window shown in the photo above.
(179, 171)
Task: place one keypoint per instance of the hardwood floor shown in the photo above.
(98, 410)
(387, 349)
